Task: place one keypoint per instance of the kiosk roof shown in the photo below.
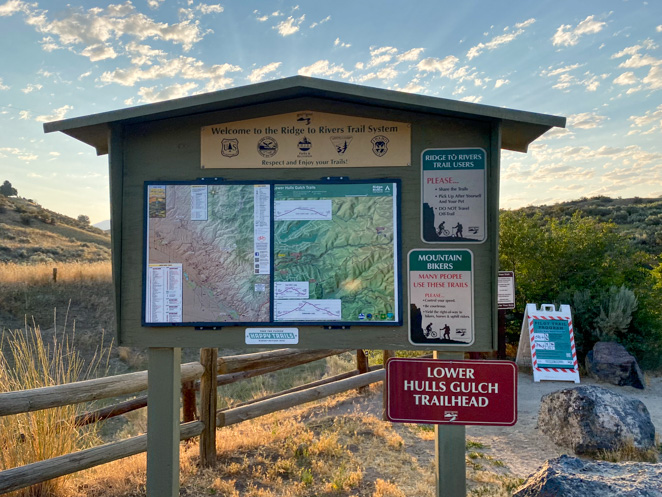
(519, 128)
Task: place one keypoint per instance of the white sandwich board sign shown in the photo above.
(552, 341)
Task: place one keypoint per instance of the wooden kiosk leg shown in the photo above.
(449, 451)
(164, 385)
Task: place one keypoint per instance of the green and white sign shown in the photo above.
(552, 343)
(453, 193)
(441, 294)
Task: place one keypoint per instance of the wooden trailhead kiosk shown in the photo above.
(305, 213)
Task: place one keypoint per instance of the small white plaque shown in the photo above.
(270, 336)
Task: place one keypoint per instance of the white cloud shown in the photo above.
(444, 66)
(290, 25)
(56, 115)
(323, 68)
(25, 115)
(410, 55)
(626, 79)
(497, 41)
(472, 98)
(315, 24)
(566, 80)
(149, 95)
(413, 86)
(258, 74)
(567, 36)
(341, 44)
(654, 78)
(184, 67)
(586, 120)
(154, 4)
(98, 32)
(32, 87)
(501, 82)
(13, 7)
(3, 86)
(649, 123)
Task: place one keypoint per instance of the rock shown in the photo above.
(610, 362)
(589, 419)
(571, 477)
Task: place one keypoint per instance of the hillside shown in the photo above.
(31, 234)
(640, 219)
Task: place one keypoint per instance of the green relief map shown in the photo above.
(208, 251)
(334, 252)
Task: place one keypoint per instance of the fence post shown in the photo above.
(362, 366)
(208, 358)
(54, 275)
(387, 355)
(188, 401)
(163, 391)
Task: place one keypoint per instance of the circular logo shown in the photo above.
(305, 144)
(267, 146)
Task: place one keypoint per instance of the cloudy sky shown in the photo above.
(597, 62)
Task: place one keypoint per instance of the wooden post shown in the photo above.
(188, 401)
(54, 275)
(501, 337)
(362, 366)
(449, 451)
(208, 358)
(386, 356)
(163, 392)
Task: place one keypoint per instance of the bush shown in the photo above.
(585, 263)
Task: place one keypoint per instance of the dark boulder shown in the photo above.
(590, 419)
(568, 476)
(611, 363)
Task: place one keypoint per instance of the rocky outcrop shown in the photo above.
(611, 363)
(589, 419)
(571, 477)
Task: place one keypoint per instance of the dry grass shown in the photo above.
(42, 274)
(324, 449)
(29, 363)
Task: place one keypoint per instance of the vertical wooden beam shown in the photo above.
(208, 358)
(164, 385)
(362, 366)
(188, 401)
(386, 356)
(449, 451)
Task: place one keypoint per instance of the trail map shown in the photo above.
(304, 252)
(208, 252)
(335, 242)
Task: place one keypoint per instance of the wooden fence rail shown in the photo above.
(232, 369)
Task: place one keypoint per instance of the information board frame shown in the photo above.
(368, 318)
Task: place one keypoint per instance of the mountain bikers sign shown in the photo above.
(441, 290)
(454, 195)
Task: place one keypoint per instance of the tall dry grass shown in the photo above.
(27, 361)
(67, 272)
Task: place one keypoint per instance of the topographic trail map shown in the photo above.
(208, 251)
(334, 252)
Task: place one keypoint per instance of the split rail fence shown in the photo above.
(212, 371)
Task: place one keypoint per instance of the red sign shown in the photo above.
(451, 392)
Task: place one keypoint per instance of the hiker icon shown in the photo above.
(447, 332)
(458, 230)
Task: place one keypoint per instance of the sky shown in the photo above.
(596, 62)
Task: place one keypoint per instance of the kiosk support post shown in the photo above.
(164, 385)
(449, 450)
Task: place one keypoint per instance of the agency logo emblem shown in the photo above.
(267, 146)
(341, 143)
(230, 147)
(379, 145)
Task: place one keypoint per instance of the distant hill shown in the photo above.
(640, 219)
(31, 234)
(103, 225)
